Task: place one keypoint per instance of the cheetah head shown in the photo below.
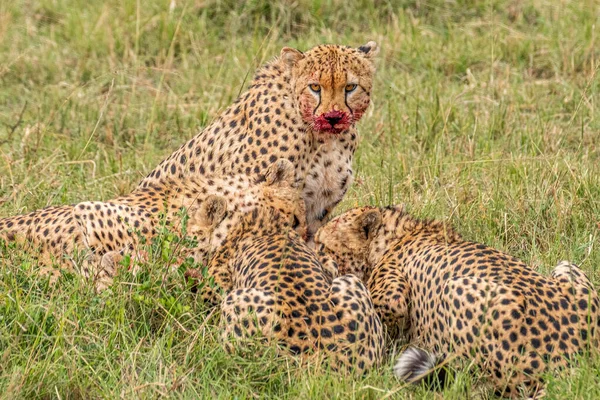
(281, 194)
(204, 221)
(331, 84)
(275, 189)
(278, 207)
(347, 239)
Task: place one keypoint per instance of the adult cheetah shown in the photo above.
(454, 297)
(276, 289)
(300, 106)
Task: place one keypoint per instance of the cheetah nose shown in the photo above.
(333, 119)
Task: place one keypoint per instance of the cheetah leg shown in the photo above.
(111, 227)
(105, 267)
(579, 297)
(249, 318)
(107, 230)
(51, 266)
(204, 284)
(354, 339)
(391, 295)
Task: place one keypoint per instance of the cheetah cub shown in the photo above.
(275, 288)
(459, 298)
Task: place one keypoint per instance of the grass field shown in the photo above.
(485, 112)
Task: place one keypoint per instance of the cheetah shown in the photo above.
(451, 297)
(300, 106)
(111, 228)
(276, 289)
(47, 233)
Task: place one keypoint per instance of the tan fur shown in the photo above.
(275, 288)
(457, 298)
(277, 117)
(115, 227)
(264, 125)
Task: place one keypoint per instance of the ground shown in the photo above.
(485, 113)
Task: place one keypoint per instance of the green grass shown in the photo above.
(485, 113)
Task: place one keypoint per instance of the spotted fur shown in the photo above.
(451, 297)
(300, 106)
(275, 288)
(111, 228)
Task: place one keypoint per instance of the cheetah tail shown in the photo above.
(420, 366)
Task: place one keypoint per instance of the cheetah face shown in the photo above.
(332, 84)
(346, 240)
(281, 193)
(290, 203)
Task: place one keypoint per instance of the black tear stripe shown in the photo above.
(346, 102)
(346, 98)
(319, 93)
(318, 104)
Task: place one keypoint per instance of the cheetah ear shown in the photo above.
(291, 56)
(213, 210)
(281, 172)
(369, 50)
(368, 223)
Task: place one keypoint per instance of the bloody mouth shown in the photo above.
(333, 122)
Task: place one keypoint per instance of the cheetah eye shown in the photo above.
(296, 222)
(350, 87)
(315, 87)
